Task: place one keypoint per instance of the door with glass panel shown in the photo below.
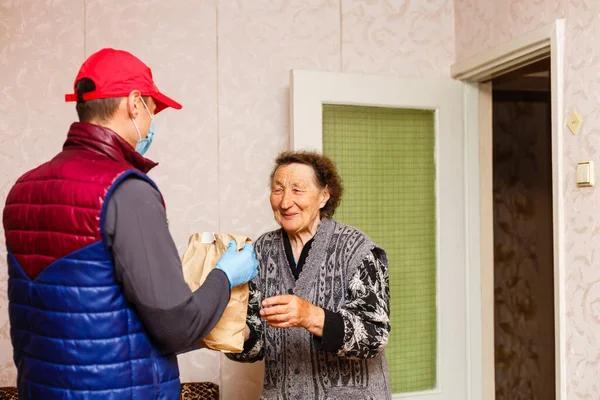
(399, 147)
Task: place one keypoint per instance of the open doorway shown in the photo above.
(480, 72)
(524, 344)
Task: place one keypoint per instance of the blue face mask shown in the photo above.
(144, 144)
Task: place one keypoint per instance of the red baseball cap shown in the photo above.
(116, 73)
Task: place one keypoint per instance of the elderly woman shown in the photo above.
(324, 320)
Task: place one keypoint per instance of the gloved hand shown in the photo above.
(239, 266)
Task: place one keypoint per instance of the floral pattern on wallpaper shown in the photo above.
(484, 24)
(523, 251)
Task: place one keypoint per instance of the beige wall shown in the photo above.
(228, 63)
(481, 24)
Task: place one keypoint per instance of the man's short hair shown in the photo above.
(100, 110)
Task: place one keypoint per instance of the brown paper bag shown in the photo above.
(198, 260)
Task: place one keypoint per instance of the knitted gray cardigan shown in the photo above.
(345, 272)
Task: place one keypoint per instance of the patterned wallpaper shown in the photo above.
(582, 231)
(41, 47)
(228, 63)
(523, 290)
(483, 24)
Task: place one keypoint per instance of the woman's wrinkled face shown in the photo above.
(296, 199)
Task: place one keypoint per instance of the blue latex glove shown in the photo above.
(239, 266)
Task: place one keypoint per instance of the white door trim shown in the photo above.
(547, 41)
(509, 56)
(309, 90)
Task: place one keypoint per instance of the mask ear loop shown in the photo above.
(137, 129)
(147, 109)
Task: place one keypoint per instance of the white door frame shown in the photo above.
(547, 41)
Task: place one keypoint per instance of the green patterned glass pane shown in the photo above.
(385, 157)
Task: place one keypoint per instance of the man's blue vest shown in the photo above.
(74, 334)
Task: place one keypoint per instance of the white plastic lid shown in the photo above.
(208, 237)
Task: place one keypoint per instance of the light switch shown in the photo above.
(585, 173)
(574, 123)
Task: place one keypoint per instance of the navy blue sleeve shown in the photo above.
(148, 266)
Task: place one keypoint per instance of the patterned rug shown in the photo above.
(189, 391)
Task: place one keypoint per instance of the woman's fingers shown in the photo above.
(268, 311)
(277, 300)
(281, 325)
(277, 318)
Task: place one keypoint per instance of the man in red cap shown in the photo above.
(97, 301)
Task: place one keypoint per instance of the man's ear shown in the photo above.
(133, 103)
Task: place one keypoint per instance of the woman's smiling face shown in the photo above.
(296, 199)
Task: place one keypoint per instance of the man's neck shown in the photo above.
(116, 127)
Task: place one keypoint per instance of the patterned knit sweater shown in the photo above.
(346, 273)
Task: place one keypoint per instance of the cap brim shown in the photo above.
(163, 102)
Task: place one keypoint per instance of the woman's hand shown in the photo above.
(288, 311)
